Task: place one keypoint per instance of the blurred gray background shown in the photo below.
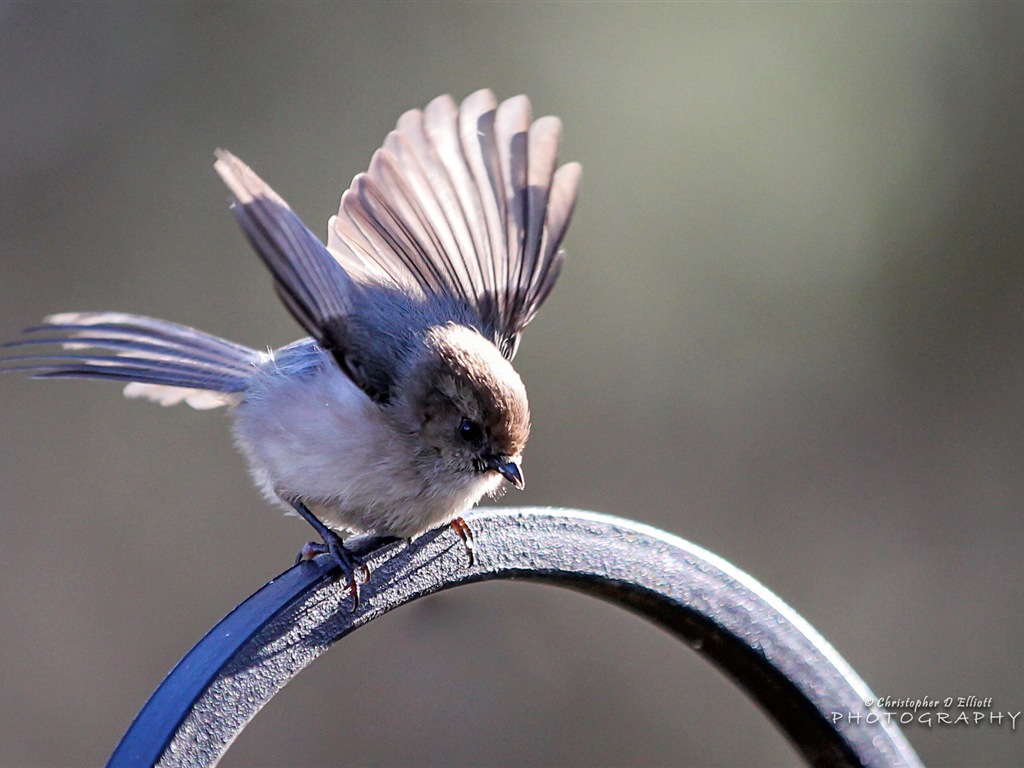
(790, 329)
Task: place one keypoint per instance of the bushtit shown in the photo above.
(403, 409)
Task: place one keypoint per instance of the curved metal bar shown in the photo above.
(719, 611)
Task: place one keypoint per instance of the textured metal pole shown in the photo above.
(719, 611)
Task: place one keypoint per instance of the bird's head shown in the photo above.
(469, 405)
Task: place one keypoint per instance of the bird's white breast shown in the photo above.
(318, 438)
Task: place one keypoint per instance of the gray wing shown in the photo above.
(312, 284)
(463, 205)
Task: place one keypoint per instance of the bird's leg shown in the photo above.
(331, 543)
(461, 527)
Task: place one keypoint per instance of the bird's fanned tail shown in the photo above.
(160, 361)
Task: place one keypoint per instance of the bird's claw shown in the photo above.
(350, 567)
(461, 527)
(310, 550)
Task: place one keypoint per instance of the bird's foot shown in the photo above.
(348, 563)
(461, 527)
(333, 544)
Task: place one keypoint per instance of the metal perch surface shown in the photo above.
(725, 615)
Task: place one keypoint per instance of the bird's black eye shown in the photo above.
(470, 431)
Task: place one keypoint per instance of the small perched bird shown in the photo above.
(403, 409)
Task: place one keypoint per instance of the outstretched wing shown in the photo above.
(462, 208)
(463, 205)
(311, 283)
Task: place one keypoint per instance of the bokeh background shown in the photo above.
(790, 329)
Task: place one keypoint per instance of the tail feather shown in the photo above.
(114, 342)
(161, 361)
(121, 325)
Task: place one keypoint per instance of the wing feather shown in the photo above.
(311, 283)
(463, 210)
(463, 205)
(485, 188)
(512, 125)
(452, 179)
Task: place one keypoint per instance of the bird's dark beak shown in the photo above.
(508, 469)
